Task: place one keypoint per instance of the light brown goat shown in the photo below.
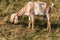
(32, 9)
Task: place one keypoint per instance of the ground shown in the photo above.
(10, 31)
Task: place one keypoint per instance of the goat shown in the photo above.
(32, 9)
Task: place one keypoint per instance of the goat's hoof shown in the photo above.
(33, 29)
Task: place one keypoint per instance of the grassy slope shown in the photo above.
(10, 31)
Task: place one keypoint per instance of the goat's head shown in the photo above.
(14, 18)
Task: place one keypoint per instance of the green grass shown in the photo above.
(9, 31)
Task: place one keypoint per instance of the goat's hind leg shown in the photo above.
(48, 24)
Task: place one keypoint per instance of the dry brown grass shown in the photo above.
(9, 31)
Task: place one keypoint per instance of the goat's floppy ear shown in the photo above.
(15, 19)
(11, 18)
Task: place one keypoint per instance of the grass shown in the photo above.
(10, 31)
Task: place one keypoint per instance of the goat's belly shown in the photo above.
(36, 12)
(27, 13)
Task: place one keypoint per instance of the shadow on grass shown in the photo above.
(38, 24)
(55, 26)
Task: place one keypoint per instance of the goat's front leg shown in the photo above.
(29, 22)
(32, 20)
